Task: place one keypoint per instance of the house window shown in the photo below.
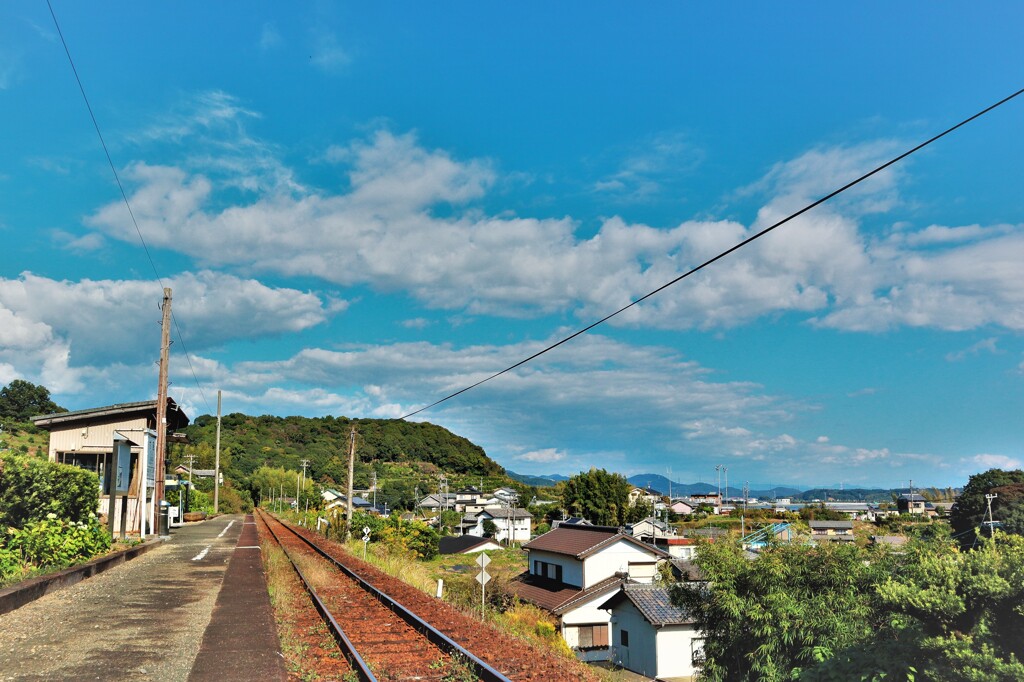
(547, 570)
(624, 637)
(591, 636)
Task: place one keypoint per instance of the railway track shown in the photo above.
(381, 638)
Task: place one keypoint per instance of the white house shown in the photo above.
(643, 495)
(573, 569)
(511, 524)
(649, 635)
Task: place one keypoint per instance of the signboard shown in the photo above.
(123, 474)
(483, 577)
(149, 448)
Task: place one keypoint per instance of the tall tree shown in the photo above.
(597, 495)
(22, 399)
(971, 507)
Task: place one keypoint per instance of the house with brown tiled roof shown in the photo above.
(573, 569)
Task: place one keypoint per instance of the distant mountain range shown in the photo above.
(539, 481)
(760, 491)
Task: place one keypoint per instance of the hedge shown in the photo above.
(31, 488)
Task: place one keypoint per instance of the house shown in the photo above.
(573, 569)
(855, 511)
(911, 503)
(681, 508)
(649, 529)
(184, 471)
(466, 544)
(506, 495)
(652, 497)
(512, 524)
(712, 499)
(832, 531)
(85, 438)
(572, 521)
(678, 548)
(438, 502)
(649, 635)
(334, 499)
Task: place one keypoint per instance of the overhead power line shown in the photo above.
(124, 196)
(721, 255)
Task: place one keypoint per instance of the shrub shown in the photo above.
(56, 543)
(32, 488)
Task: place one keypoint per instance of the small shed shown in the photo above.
(650, 636)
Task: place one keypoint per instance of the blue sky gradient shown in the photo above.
(362, 209)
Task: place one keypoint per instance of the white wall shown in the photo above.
(676, 645)
(587, 613)
(641, 655)
(609, 560)
(572, 570)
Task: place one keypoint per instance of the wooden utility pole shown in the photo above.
(351, 476)
(216, 464)
(161, 400)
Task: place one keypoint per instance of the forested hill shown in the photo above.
(285, 441)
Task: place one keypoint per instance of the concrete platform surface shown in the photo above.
(145, 619)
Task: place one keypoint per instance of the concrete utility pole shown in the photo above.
(305, 463)
(374, 488)
(351, 476)
(991, 523)
(718, 470)
(216, 463)
(161, 399)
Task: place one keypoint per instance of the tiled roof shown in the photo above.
(653, 603)
(504, 513)
(582, 541)
(830, 524)
(543, 592)
(572, 539)
(555, 596)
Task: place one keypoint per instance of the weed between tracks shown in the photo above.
(305, 639)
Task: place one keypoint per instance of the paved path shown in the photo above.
(144, 620)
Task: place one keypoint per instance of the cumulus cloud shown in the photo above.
(327, 54)
(989, 345)
(409, 220)
(55, 323)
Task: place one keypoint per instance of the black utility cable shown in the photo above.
(723, 254)
(124, 196)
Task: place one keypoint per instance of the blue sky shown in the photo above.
(361, 209)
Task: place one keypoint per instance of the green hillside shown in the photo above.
(404, 455)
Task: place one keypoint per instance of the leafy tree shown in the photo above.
(448, 520)
(22, 399)
(945, 616)
(597, 495)
(490, 528)
(638, 512)
(971, 507)
(769, 618)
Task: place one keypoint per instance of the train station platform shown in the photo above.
(195, 608)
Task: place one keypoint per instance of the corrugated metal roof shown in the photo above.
(175, 416)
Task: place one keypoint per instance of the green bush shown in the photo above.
(56, 543)
(32, 488)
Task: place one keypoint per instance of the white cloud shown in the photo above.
(327, 54)
(545, 456)
(987, 461)
(385, 230)
(106, 321)
(988, 345)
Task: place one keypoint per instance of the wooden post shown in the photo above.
(161, 399)
(351, 476)
(110, 476)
